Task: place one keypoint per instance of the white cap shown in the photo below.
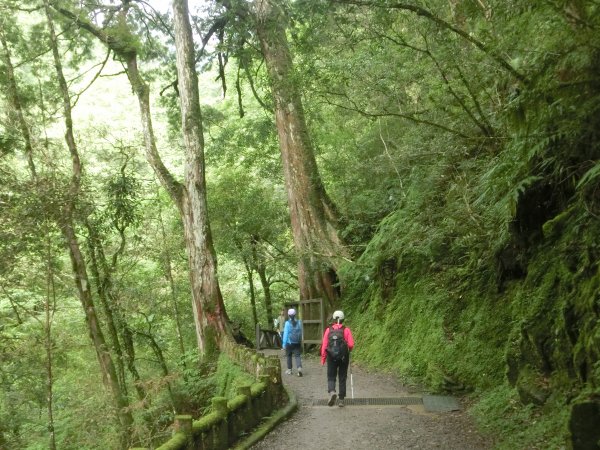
(291, 312)
(338, 315)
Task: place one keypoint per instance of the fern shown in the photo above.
(590, 176)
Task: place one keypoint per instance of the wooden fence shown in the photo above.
(229, 419)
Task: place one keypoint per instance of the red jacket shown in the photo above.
(347, 337)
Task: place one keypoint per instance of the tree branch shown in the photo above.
(442, 23)
(410, 117)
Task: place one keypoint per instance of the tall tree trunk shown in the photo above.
(262, 275)
(168, 269)
(77, 260)
(65, 222)
(250, 277)
(16, 109)
(190, 197)
(313, 216)
(210, 311)
(50, 308)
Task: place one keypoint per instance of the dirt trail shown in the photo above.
(365, 427)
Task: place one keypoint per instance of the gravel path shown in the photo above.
(365, 427)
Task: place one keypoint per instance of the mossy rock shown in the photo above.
(531, 387)
(584, 429)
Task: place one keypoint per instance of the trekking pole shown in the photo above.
(351, 383)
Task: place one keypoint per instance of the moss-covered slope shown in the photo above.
(492, 293)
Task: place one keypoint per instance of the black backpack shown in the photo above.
(337, 347)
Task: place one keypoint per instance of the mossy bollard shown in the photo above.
(275, 368)
(183, 424)
(221, 438)
(265, 398)
(245, 390)
(247, 416)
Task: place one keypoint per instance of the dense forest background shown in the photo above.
(456, 141)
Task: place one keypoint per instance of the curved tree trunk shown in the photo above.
(313, 216)
(190, 196)
(122, 341)
(67, 227)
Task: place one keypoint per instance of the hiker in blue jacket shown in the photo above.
(292, 341)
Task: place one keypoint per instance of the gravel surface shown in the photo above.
(365, 427)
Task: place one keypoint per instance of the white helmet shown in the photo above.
(338, 316)
(291, 312)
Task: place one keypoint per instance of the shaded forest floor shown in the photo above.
(366, 427)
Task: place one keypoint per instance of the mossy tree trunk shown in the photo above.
(261, 269)
(119, 330)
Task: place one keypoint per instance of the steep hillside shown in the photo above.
(482, 285)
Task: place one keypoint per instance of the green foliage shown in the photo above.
(229, 377)
(465, 167)
(122, 192)
(121, 40)
(482, 275)
(522, 427)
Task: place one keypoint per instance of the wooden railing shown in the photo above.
(229, 419)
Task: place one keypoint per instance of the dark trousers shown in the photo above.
(294, 349)
(337, 369)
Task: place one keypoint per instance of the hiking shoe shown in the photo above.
(332, 399)
(341, 403)
(299, 371)
(288, 372)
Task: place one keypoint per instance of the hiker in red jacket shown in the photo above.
(335, 349)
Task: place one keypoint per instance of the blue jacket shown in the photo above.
(287, 330)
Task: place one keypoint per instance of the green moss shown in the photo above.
(121, 40)
(521, 426)
(236, 402)
(229, 377)
(176, 442)
(557, 224)
(257, 388)
(448, 321)
(205, 422)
